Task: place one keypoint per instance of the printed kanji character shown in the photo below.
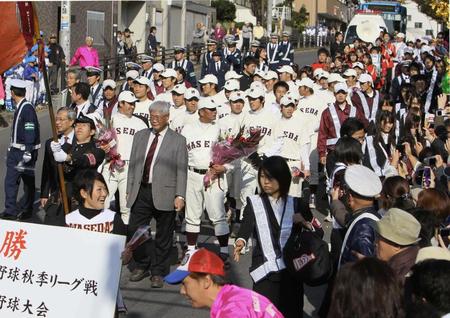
(27, 307)
(13, 244)
(14, 274)
(3, 271)
(2, 301)
(27, 276)
(42, 310)
(90, 287)
(13, 304)
(77, 283)
(42, 279)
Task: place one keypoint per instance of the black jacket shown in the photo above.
(56, 54)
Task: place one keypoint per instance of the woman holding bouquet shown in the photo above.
(271, 215)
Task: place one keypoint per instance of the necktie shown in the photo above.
(66, 139)
(149, 159)
(217, 66)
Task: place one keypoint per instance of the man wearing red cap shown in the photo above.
(201, 275)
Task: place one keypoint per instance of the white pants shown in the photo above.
(30, 92)
(249, 183)
(211, 199)
(117, 180)
(234, 179)
(295, 189)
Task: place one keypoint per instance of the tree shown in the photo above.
(259, 10)
(435, 9)
(226, 10)
(299, 19)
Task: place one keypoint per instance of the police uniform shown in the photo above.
(116, 179)
(234, 58)
(96, 96)
(21, 157)
(218, 69)
(273, 54)
(207, 59)
(186, 65)
(144, 58)
(200, 137)
(286, 52)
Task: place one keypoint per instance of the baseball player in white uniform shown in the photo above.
(177, 107)
(223, 108)
(126, 126)
(200, 137)
(191, 98)
(141, 86)
(270, 78)
(169, 80)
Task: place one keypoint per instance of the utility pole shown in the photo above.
(183, 23)
(165, 6)
(269, 17)
(64, 32)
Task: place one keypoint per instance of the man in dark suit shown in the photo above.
(218, 67)
(156, 188)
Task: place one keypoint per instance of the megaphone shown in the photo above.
(367, 31)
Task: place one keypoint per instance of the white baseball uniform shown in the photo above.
(141, 108)
(200, 138)
(175, 112)
(125, 128)
(182, 120)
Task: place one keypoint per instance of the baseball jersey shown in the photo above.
(126, 128)
(141, 108)
(264, 120)
(104, 221)
(184, 119)
(269, 98)
(165, 97)
(223, 110)
(200, 137)
(175, 112)
(230, 125)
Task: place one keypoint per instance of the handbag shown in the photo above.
(307, 257)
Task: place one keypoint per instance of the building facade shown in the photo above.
(419, 24)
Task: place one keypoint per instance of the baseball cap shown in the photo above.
(231, 85)
(306, 82)
(209, 78)
(350, 72)
(206, 102)
(198, 261)
(270, 75)
(232, 75)
(433, 252)
(133, 74)
(158, 67)
(426, 49)
(294, 94)
(255, 92)
(335, 77)
(399, 227)
(258, 84)
(341, 87)
(109, 83)
(170, 72)
(287, 100)
(191, 93)
(237, 95)
(355, 174)
(127, 96)
(142, 80)
(359, 65)
(15, 82)
(408, 50)
(317, 72)
(179, 89)
(365, 78)
(286, 69)
(259, 73)
(323, 74)
(400, 35)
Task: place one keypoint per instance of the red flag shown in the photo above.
(29, 23)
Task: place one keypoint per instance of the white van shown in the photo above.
(375, 19)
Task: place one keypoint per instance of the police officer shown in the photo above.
(211, 46)
(286, 50)
(96, 95)
(218, 67)
(22, 155)
(233, 56)
(273, 51)
(181, 61)
(147, 65)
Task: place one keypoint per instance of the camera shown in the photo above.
(430, 161)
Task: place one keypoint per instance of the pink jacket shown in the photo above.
(2, 89)
(233, 301)
(86, 56)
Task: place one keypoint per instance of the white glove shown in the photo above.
(60, 156)
(26, 157)
(55, 146)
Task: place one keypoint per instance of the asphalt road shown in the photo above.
(141, 300)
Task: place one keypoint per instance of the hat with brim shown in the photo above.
(199, 261)
(133, 74)
(209, 79)
(287, 100)
(306, 82)
(350, 72)
(286, 69)
(433, 252)
(216, 53)
(399, 227)
(158, 67)
(231, 85)
(191, 93)
(170, 72)
(18, 83)
(255, 92)
(83, 119)
(127, 96)
(93, 71)
(211, 42)
(144, 58)
(237, 96)
(340, 88)
(206, 102)
(109, 83)
(133, 66)
(360, 179)
(269, 75)
(142, 80)
(179, 89)
(232, 75)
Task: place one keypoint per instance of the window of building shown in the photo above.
(429, 32)
(409, 17)
(418, 25)
(96, 26)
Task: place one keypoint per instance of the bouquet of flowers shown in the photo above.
(107, 138)
(140, 236)
(230, 149)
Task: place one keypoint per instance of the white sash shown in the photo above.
(373, 156)
(337, 123)
(272, 59)
(430, 91)
(369, 115)
(285, 57)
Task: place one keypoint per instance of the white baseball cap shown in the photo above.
(335, 77)
(143, 80)
(231, 85)
(179, 89)
(365, 78)
(294, 94)
(258, 84)
(259, 73)
(158, 67)
(170, 72)
(426, 49)
(317, 72)
(286, 69)
(350, 72)
(209, 78)
(270, 75)
(358, 64)
(206, 102)
(109, 83)
(232, 75)
(133, 74)
(341, 87)
(400, 35)
(127, 96)
(191, 93)
(255, 92)
(287, 100)
(306, 82)
(237, 95)
(323, 74)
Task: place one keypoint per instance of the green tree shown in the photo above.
(299, 19)
(225, 10)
